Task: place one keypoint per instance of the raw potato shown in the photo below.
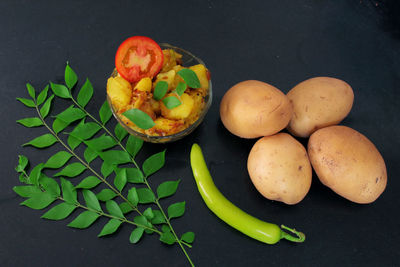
(279, 168)
(317, 103)
(348, 163)
(252, 109)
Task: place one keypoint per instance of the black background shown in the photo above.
(280, 42)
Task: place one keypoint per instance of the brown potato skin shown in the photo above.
(251, 109)
(348, 162)
(279, 168)
(317, 103)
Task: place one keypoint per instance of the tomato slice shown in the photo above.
(138, 57)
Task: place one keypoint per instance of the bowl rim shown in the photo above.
(178, 135)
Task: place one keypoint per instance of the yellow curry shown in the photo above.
(125, 96)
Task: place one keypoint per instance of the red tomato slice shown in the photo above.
(138, 57)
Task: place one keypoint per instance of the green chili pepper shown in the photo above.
(265, 232)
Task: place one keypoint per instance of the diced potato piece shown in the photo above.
(171, 58)
(167, 77)
(146, 107)
(165, 125)
(120, 91)
(178, 78)
(144, 85)
(201, 73)
(180, 112)
(177, 68)
(155, 105)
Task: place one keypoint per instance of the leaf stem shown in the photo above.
(169, 224)
(86, 164)
(145, 179)
(102, 213)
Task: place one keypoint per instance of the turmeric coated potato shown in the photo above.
(317, 103)
(180, 112)
(201, 73)
(279, 168)
(120, 91)
(348, 163)
(252, 109)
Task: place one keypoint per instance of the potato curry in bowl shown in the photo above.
(158, 94)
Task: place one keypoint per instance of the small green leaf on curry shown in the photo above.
(190, 78)
(160, 90)
(140, 118)
(180, 88)
(171, 102)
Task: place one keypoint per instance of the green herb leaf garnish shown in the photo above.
(190, 78)
(160, 90)
(171, 102)
(140, 118)
(180, 88)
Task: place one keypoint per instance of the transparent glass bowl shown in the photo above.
(188, 59)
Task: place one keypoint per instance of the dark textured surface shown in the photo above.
(279, 42)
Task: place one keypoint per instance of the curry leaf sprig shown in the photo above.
(107, 193)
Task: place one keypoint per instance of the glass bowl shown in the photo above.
(188, 59)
